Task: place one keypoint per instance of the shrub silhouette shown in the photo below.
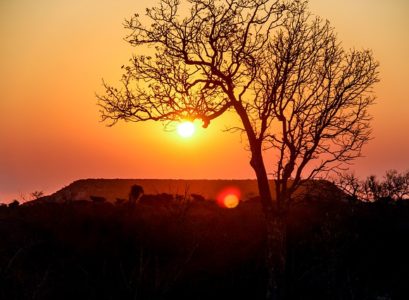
(120, 201)
(14, 204)
(197, 197)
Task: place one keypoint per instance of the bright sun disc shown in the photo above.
(186, 129)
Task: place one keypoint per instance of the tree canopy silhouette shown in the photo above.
(280, 69)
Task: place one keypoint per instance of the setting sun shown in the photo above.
(186, 129)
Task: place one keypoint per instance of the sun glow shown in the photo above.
(186, 129)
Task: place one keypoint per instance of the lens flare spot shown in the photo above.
(229, 197)
(231, 201)
(186, 129)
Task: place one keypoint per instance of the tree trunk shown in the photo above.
(275, 218)
(276, 255)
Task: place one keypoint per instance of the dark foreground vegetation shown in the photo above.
(197, 250)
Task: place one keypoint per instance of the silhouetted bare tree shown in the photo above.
(280, 69)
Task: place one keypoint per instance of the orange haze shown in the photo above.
(53, 55)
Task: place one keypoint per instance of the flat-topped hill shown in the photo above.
(112, 189)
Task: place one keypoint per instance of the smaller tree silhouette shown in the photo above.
(36, 195)
(135, 194)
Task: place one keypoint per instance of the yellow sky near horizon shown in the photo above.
(53, 55)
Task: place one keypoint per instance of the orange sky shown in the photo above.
(53, 55)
